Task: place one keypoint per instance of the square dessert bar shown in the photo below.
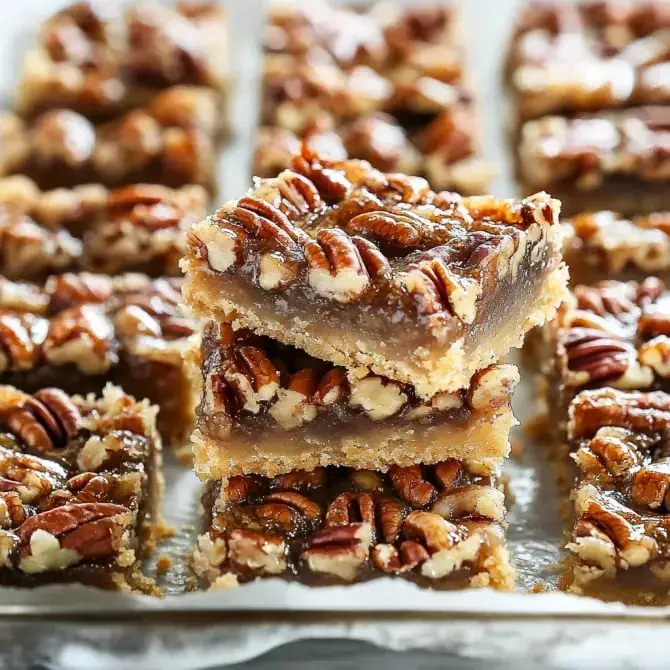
(80, 331)
(81, 488)
(620, 547)
(440, 525)
(574, 57)
(101, 61)
(267, 408)
(604, 244)
(613, 334)
(170, 142)
(602, 161)
(386, 83)
(141, 227)
(376, 272)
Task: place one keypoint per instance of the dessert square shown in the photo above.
(613, 334)
(100, 60)
(267, 408)
(440, 525)
(80, 331)
(576, 57)
(169, 142)
(619, 542)
(81, 486)
(140, 228)
(605, 244)
(600, 161)
(385, 83)
(376, 272)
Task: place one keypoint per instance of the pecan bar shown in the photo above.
(619, 543)
(101, 63)
(267, 408)
(170, 142)
(81, 486)
(439, 525)
(614, 334)
(603, 161)
(375, 271)
(133, 228)
(387, 83)
(600, 245)
(571, 57)
(80, 331)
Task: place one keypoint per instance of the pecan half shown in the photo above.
(336, 269)
(300, 480)
(598, 355)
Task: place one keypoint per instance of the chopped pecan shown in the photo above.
(379, 397)
(300, 480)
(491, 388)
(614, 448)
(656, 355)
(654, 321)
(81, 335)
(71, 289)
(331, 387)
(448, 472)
(339, 550)
(257, 551)
(411, 486)
(63, 136)
(294, 405)
(405, 558)
(643, 412)
(17, 349)
(651, 485)
(304, 505)
(240, 487)
(633, 546)
(351, 507)
(471, 500)
(31, 477)
(12, 512)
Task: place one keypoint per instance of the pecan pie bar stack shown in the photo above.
(100, 61)
(590, 82)
(141, 227)
(80, 488)
(169, 142)
(80, 331)
(353, 414)
(385, 84)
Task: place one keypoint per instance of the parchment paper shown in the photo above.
(76, 627)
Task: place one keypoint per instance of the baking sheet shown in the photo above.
(196, 630)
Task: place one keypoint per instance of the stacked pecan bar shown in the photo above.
(607, 367)
(353, 414)
(80, 488)
(384, 84)
(590, 81)
(81, 331)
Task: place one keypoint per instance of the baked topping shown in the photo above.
(88, 320)
(621, 502)
(342, 231)
(340, 523)
(615, 243)
(142, 226)
(245, 376)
